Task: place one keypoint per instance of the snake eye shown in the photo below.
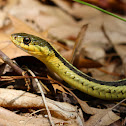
(26, 40)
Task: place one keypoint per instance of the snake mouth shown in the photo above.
(15, 39)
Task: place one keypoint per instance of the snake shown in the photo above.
(46, 53)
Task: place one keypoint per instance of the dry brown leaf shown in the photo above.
(99, 117)
(3, 19)
(12, 51)
(45, 17)
(10, 118)
(4, 40)
(102, 118)
(78, 10)
(56, 86)
(21, 99)
(63, 4)
(20, 26)
(87, 109)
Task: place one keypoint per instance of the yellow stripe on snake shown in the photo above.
(45, 52)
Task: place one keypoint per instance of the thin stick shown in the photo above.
(7, 60)
(17, 69)
(43, 98)
(77, 47)
(118, 104)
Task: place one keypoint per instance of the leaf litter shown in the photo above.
(17, 16)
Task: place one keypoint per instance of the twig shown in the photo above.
(7, 60)
(77, 47)
(17, 69)
(43, 97)
(118, 104)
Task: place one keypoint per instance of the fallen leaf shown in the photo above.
(9, 117)
(56, 86)
(20, 26)
(21, 99)
(102, 118)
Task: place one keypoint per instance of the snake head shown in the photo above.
(32, 44)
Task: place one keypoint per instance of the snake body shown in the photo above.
(45, 52)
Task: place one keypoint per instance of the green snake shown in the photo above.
(45, 52)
